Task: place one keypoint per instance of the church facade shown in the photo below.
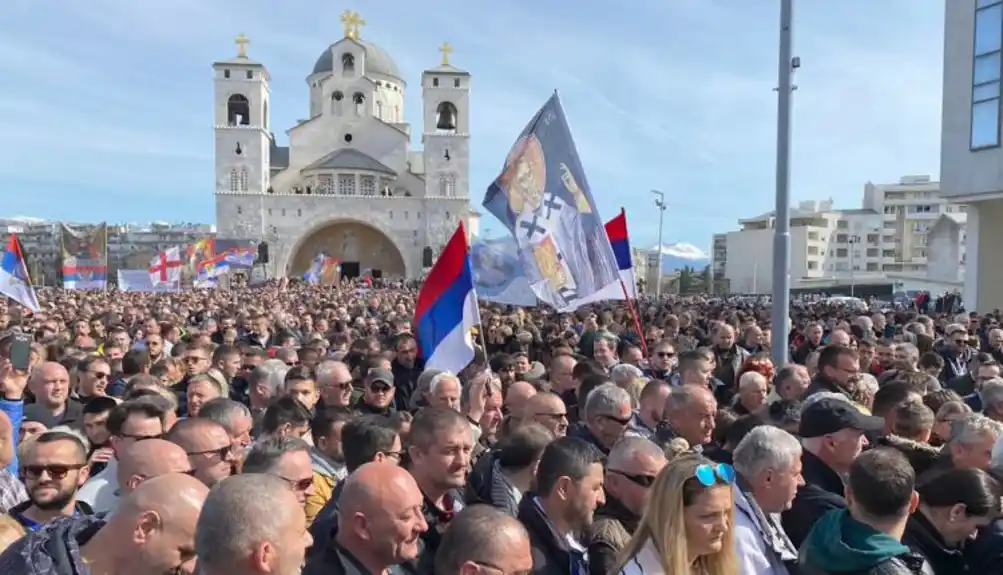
(348, 184)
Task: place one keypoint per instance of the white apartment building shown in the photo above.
(888, 239)
(129, 245)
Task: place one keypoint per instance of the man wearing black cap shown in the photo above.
(378, 396)
(832, 432)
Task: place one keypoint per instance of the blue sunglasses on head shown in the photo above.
(710, 475)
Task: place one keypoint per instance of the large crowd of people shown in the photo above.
(290, 428)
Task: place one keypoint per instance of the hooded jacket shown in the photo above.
(839, 544)
(54, 549)
(326, 474)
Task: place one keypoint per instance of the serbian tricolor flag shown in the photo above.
(616, 231)
(446, 310)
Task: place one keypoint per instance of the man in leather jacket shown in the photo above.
(866, 538)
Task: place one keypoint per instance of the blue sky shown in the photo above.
(107, 114)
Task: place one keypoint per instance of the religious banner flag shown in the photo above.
(85, 257)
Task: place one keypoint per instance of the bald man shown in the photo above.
(380, 520)
(517, 396)
(208, 446)
(251, 524)
(49, 383)
(548, 410)
(482, 535)
(144, 460)
(152, 532)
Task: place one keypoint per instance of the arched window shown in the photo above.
(445, 117)
(443, 185)
(234, 180)
(360, 103)
(238, 111)
(243, 179)
(336, 99)
(347, 64)
(379, 110)
(450, 185)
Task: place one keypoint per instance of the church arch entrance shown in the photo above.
(361, 248)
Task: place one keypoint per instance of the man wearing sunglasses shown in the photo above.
(208, 447)
(606, 414)
(54, 468)
(93, 377)
(631, 468)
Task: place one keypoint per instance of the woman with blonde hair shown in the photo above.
(687, 524)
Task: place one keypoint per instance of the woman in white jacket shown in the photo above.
(686, 528)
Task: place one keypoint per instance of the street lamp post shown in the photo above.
(660, 204)
(782, 230)
(854, 241)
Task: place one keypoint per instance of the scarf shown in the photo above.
(769, 525)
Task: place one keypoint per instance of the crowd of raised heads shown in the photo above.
(289, 429)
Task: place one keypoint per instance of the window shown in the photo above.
(238, 110)
(336, 99)
(243, 179)
(435, 82)
(379, 110)
(226, 74)
(812, 251)
(986, 68)
(812, 265)
(325, 185)
(841, 253)
(367, 185)
(456, 82)
(842, 238)
(250, 75)
(872, 252)
(360, 103)
(843, 224)
(347, 64)
(234, 181)
(872, 267)
(346, 184)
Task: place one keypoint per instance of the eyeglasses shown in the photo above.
(375, 388)
(298, 484)
(141, 437)
(620, 420)
(641, 480)
(100, 374)
(709, 475)
(55, 471)
(666, 354)
(392, 454)
(342, 386)
(222, 452)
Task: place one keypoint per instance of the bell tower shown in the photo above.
(445, 92)
(241, 123)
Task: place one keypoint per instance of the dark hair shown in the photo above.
(585, 367)
(690, 360)
(87, 362)
(501, 362)
(565, 457)
(284, 411)
(144, 406)
(891, 395)
(913, 420)
(830, 354)
(223, 351)
(977, 490)
(930, 359)
(364, 437)
(300, 373)
(99, 404)
(522, 446)
(430, 422)
(784, 412)
(325, 419)
(740, 428)
(882, 482)
(588, 383)
(935, 399)
(134, 362)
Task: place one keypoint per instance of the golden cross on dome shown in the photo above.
(353, 24)
(446, 50)
(241, 43)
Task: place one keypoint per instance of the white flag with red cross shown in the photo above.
(165, 267)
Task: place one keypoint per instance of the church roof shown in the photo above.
(278, 156)
(349, 159)
(378, 61)
(448, 69)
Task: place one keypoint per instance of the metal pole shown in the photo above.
(782, 231)
(660, 204)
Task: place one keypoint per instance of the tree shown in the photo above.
(707, 279)
(685, 280)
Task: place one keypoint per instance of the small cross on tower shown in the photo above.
(446, 50)
(353, 24)
(241, 43)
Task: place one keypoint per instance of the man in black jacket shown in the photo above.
(837, 367)
(832, 434)
(569, 488)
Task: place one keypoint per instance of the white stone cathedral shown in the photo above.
(349, 184)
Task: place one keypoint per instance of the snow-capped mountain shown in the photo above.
(680, 255)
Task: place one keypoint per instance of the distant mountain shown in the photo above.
(677, 256)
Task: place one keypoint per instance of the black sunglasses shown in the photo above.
(55, 471)
(221, 452)
(620, 420)
(641, 480)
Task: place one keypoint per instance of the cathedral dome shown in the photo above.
(378, 61)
